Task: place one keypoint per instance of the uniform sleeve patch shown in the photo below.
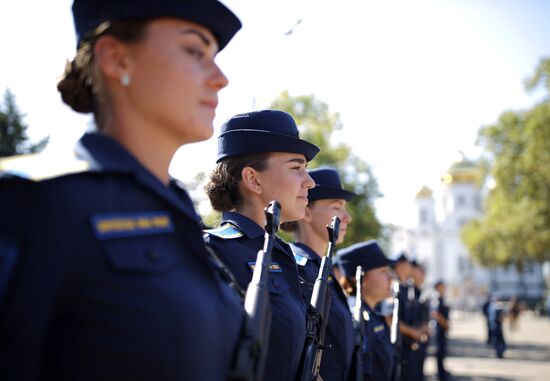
(226, 231)
(300, 260)
(379, 328)
(273, 268)
(121, 225)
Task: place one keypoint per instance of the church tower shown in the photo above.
(461, 193)
(426, 210)
(461, 202)
(426, 234)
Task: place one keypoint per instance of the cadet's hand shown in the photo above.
(424, 334)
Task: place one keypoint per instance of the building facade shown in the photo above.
(436, 243)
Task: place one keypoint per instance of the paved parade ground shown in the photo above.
(471, 359)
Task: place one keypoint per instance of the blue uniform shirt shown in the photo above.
(337, 357)
(407, 315)
(237, 243)
(379, 358)
(440, 333)
(111, 279)
(407, 304)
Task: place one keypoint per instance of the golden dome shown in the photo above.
(425, 192)
(462, 171)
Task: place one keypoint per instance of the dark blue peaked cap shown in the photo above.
(368, 255)
(262, 132)
(402, 257)
(213, 15)
(327, 185)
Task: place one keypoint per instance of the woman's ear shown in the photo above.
(307, 215)
(251, 181)
(112, 57)
(347, 284)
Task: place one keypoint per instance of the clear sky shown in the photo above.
(412, 80)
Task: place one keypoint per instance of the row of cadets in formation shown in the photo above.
(261, 157)
(423, 314)
(112, 279)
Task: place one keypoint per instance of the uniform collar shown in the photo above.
(372, 311)
(250, 228)
(304, 251)
(104, 154)
(253, 231)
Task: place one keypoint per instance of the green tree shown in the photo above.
(13, 132)
(317, 125)
(516, 226)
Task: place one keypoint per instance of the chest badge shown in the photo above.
(273, 268)
(131, 224)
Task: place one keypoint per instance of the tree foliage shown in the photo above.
(13, 131)
(317, 125)
(516, 226)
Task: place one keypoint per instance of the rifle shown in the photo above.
(358, 327)
(394, 331)
(318, 311)
(252, 350)
(395, 313)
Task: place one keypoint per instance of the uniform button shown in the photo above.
(153, 255)
(276, 284)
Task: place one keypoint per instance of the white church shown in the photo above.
(436, 243)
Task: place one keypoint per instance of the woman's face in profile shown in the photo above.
(174, 79)
(319, 214)
(377, 283)
(286, 180)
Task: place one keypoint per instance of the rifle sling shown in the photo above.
(225, 273)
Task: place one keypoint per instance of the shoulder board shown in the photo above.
(226, 231)
(7, 177)
(300, 260)
(42, 166)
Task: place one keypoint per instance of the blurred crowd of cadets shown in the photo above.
(424, 320)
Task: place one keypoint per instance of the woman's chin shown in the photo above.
(294, 217)
(341, 237)
(199, 134)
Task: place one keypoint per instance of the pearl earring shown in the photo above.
(125, 80)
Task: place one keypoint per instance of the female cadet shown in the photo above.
(109, 274)
(326, 200)
(261, 158)
(379, 353)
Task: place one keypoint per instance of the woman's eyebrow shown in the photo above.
(297, 160)
(201, 35)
